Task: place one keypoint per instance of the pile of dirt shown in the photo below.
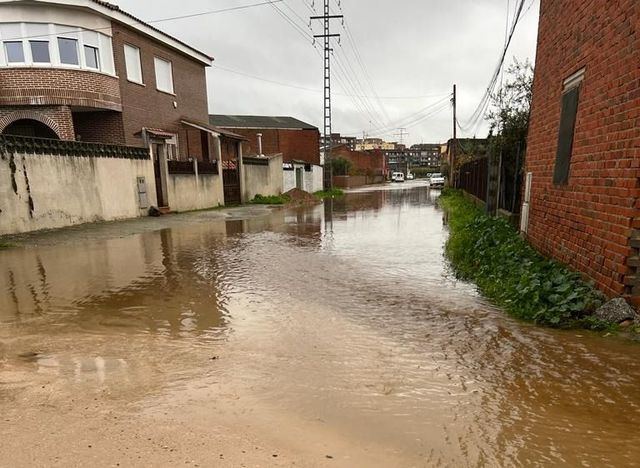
(300, 197)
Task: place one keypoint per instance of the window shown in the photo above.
(14, 51)
(40, 51)
(132, 63)
(164, 75)
(92, 57)
(68, 49)
(570, 100)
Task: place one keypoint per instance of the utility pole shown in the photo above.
(402, 132)
(455, 138)
(327, 17)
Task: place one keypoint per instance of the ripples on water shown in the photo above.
(344, 313)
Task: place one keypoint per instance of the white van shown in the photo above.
(397, 177)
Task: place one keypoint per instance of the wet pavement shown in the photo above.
(332, 335)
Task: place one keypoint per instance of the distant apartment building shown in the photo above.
(583, 154)
(369, 144)
(337, 140)
(426, 155)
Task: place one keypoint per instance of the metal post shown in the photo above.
(326, 17)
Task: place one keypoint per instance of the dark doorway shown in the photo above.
(156, 149)
(30, 128)
(231, 182)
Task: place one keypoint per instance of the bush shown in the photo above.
(333, 193)
(269, 200)
(511, 273)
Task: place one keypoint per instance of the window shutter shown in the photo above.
(565, 138)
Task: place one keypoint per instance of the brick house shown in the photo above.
(87, 70)
(296, 140)
(583, 156)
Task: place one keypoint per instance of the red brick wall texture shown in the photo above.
(587, 224)
(49, 90)
(363, 162)
(301, 145)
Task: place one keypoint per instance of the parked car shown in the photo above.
(397, 177)
(410, 176)
(436, 181)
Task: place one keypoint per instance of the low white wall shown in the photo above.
(189, 192)
(311, 181)
(264, 180)
(49, 191)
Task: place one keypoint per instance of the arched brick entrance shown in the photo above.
(29, 115)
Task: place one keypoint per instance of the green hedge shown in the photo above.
(508, 271)
(270, 200)
(332, 193)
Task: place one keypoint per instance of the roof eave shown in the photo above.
(114, 13)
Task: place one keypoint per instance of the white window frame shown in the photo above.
(129, 66)
(156, 61)
(51, 32)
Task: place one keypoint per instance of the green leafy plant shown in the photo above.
(508, 271)
(269, 200)
(6, 245)
(332, 193)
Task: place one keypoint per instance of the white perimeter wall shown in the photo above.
(189, 192)
(263, 180)
(312, 180)
(68, 190)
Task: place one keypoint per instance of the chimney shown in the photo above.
(259, 144)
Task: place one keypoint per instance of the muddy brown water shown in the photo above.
(335, 332)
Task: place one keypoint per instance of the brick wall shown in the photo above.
(58, 118)
(99, 127)
(587, 224)
(47, 86)
(363, 162)
(144, 105)
(300, 145)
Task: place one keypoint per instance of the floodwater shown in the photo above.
(332, 335)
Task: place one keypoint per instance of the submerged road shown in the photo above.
(330, 336)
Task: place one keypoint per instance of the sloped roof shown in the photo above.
(259, 122)
(118, 15)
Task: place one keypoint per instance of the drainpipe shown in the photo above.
(259, 144)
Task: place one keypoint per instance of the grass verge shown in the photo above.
(509, 272)
(6, 245)
(270, 200)
(333, 193)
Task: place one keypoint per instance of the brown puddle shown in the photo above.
(328, 336)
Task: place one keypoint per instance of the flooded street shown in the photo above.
(332, 335)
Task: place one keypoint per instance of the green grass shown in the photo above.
(332, 193)
(269, 200)
(6, 245)
(509, 272)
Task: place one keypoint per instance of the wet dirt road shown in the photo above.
(323, 336)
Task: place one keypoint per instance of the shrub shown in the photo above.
(508, 271)
(269, 200)
(333, 193)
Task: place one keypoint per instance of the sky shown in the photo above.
(394, 66)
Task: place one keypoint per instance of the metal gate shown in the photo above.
(231, 183)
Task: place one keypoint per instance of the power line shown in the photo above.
(475, 119)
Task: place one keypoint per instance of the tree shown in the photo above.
(509, 119)
(340, 166)
(511, 105)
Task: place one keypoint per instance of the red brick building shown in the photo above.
(296, 140)
(86, 70)
(370, 163)
(584, 141)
